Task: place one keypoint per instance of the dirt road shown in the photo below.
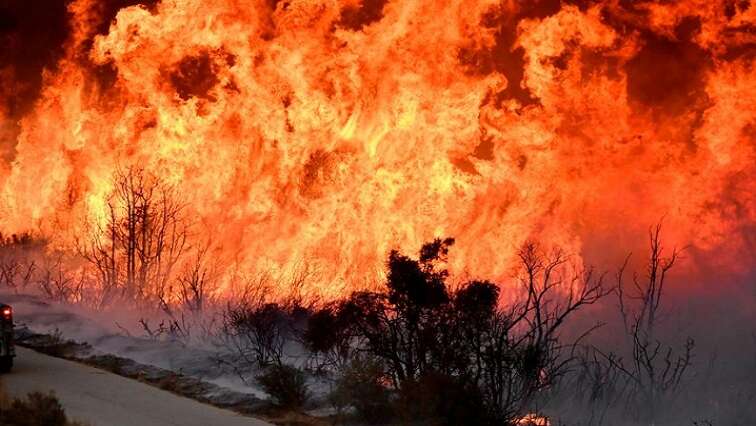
(105, 399)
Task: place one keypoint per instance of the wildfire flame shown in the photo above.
(329, 132)
(533, 420)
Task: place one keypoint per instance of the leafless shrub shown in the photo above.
(656, 368)
(183, 305)
(10, 268)
(19, 260)
(524, 353)
(58, 282)
(263, 317)
(16, 273)
(141, 240)
(250, 290)
(172, 329)
(197, 282)
(594, 386)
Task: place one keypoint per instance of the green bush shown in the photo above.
(286, 385)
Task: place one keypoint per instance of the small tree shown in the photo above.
(656, 368)
(135, 248)
(57, 282)
(197, 282)
(432, 341)
(523, 352)
(19, 259)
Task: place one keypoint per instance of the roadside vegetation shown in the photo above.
(35, 409)
(451, 356)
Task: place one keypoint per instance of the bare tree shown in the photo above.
(144, 234)
(197, 282)
(19, 260)
(183, 303)
(101, 250)
(656, 368)
(177, 330)
(16, 273)
(524, 353)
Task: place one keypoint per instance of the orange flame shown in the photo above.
(331, 132)
(533, 420)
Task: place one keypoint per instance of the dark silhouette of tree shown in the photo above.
(656, 367)
(434, 343)
(141, 240)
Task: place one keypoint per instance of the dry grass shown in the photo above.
(283, 417)
(35, 409)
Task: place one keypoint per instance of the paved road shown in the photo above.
(105, 399)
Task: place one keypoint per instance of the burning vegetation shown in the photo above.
(252, 174)
(327, 134)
